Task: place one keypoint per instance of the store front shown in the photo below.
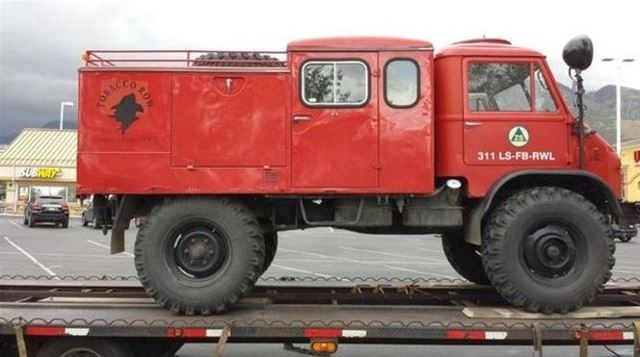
(38, 162)
(630, 157)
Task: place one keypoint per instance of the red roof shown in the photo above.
(358, 44)
(487, 47)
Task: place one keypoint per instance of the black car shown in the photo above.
(47, 209)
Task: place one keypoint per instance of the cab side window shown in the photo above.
(402, 83)
(544, 99)
(334, 83)
(507, 87)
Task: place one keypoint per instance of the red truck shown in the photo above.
(219, 151)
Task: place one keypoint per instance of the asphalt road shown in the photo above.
(320, 252)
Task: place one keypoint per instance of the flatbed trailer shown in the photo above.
(36, 312)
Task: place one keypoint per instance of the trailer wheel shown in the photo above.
(156, 348)
(548, 249)
(199, 255)
(85, 347)
(270, 248)
(464, 258)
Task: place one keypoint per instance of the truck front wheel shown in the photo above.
(199, 255)
(548, 249)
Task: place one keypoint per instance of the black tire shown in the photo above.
(464, 258)
(625, 238)
(237, 59)
(58, 347)
(270, 248)
(156, 348)
(84, 221)
(199, 255)
(548, 249)
(31, 222)
(65, 223)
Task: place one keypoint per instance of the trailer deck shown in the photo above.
(306, 310)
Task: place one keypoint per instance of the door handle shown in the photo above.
(301, 117)
(471, 124)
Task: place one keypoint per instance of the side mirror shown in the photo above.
(578, 53)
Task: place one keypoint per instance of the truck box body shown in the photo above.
(214, 130)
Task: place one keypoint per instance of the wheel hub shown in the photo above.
(550, 251)
(200, 252)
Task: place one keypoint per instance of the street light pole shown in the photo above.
(618, 99)
(62, 105)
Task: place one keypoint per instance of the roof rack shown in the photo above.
(183, 58)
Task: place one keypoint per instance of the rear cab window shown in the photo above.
(508, 87)
(401, 83)
(340, 83)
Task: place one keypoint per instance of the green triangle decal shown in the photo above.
(518, 136)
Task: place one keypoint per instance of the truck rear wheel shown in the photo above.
(465, 258)
(548, 249)
(199, 255)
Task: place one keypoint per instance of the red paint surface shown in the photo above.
(464, 335)
(323, 333)
(606, 335)
(44, 330)
(188, 332)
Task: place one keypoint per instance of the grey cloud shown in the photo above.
(41, 41)
(40, 47)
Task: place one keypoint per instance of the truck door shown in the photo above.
(334, 120)
(512, 117)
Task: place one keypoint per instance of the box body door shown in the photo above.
(334, 109)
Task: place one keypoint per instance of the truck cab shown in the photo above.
(501, 112)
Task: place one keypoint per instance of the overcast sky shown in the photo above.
(41, 41)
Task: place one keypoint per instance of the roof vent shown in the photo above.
(484, 40)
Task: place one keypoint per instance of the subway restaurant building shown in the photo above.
(38, 162)
(630, 157)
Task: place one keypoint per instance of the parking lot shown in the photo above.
(322, 252)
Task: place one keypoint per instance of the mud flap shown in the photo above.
(126, 208)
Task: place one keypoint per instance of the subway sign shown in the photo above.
(40, 172)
